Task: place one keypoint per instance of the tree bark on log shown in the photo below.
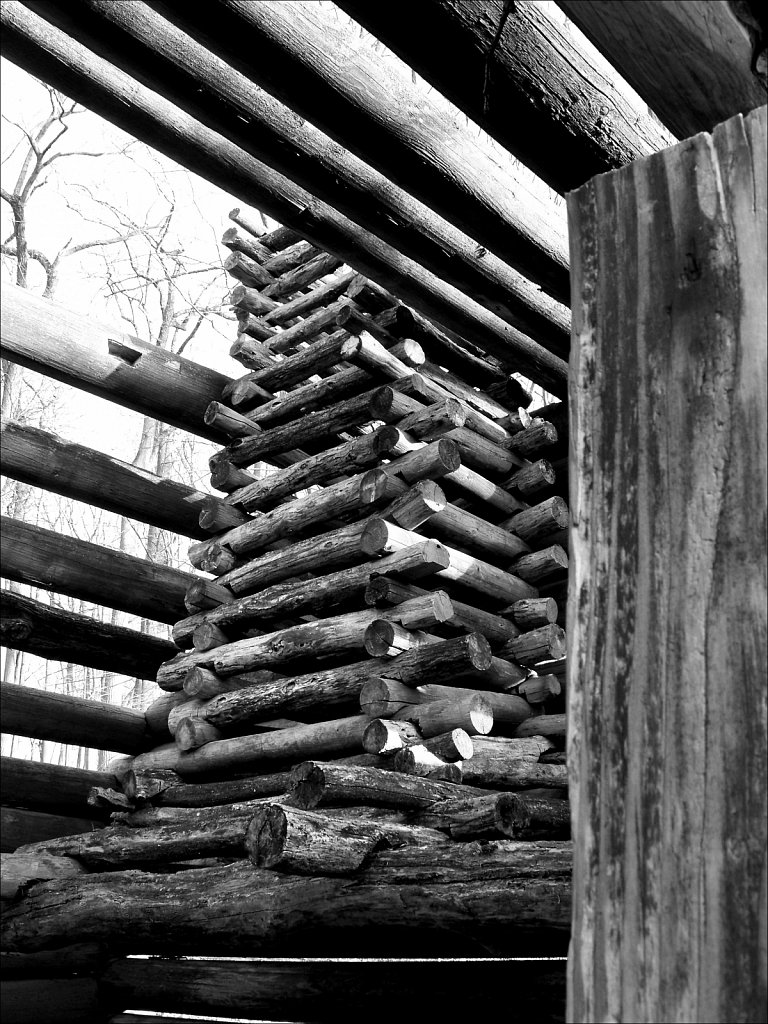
(44, 558)
(19, 827)
(57, 635)
(66, 719)
(49, 787)
(59, 60)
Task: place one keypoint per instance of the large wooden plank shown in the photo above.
(46, 336)
(45, 460)
(44, 558)
(690, 60)
(667, 610)
(527, 75)
(57, 716)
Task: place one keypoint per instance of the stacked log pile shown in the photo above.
(364, 721)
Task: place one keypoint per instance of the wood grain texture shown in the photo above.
(690, 60)
(667, 607)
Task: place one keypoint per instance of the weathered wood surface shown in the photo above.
(315, 783)
(19, 827)
(314, 62)
(592, 122)
(196, 80)
(20, 869)
(45, 460)
(44, 558)
(57, 716)
(49, 787)
(667, 653)
(690, 61)
(40, 47)
(46, 336)
(249, 908)
(343, 992)
(58, 635)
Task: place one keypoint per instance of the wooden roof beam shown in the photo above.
(528, 77)
(690, 60)
(153, 50)
(312, 57)
(47, 52)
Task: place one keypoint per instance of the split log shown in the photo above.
(313, 784)
(58, 59)
(49, 787)
(41, 459)
(58, 635)
(317, 594)
(525, 885)
(43, 558)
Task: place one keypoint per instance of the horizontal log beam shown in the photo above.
(501, 53)
(692, 62)
(59, 635)
(344, 992)
(49, 338)
(44, 558)
(50, 787)
(20, 827)
(45, 460)
(312, 60)
(136, 39)
(65, 719)
(42, 49)
(246, 908)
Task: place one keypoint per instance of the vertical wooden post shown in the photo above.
(667, 607)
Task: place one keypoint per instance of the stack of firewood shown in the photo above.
(374, 656)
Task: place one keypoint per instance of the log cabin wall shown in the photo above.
(365, 721)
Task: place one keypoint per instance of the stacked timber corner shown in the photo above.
(358, 744)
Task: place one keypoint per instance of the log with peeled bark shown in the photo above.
(535, 611)
(455, 384)
(44, 558)
(417, 759)
(59, 59)
(238, 242)
(365, 351)
(473, 714)
(477, 486)
(302, 305)
(315, 783)
(302, 276)
(385, 737)
(481, 454)
(41, 459)
(381, 537)
(533, 439)
(386, 697)
(497, 885)
(302, 842)
(358, 454)
(203, 684)
(317, 594)
(308, 329)
(291, 258)
(474, 535)
(54, 634)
